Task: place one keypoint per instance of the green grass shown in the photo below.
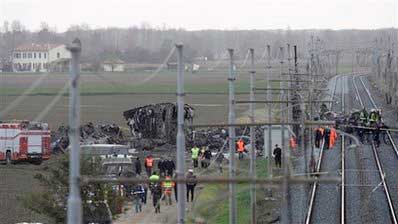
(214, 208)
(122, 88)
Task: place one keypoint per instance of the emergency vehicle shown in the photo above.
(24, 141)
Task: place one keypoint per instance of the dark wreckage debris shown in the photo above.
(156, 121)
(89, 134)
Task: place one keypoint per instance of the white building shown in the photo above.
(40, 58)
(113, 65)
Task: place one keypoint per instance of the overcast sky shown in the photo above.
(204, 14)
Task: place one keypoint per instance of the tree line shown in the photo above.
(146, 44)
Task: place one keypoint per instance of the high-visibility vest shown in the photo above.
(195, 152)
(373, 117)
(149, 162)
(333, 136)
(167, 183)
(154, 178)
(362, 115)
(292, 143)
(241, 146)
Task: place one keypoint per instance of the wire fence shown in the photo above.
(206, 177)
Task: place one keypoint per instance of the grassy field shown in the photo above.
(213, 205)
(104, 96)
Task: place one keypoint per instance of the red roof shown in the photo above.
(36, 47)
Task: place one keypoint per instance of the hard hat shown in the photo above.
(190, 170)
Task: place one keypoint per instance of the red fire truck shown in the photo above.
(24, 141)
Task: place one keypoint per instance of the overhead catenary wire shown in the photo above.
(23, 96)
(52, 103)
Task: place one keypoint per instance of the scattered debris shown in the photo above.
(156, 121)
(89, 134)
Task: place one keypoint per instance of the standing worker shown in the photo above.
(219, 160)
(195, 156)
(202, 157)
(277, 153)
(327, 137)
(156, 196)
(168, 186)
(137, 166)
(241, 148)
(207, 157)
(191, 184)
(149, 165)
(161, 167)
(333, 137)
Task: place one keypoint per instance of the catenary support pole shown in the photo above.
(285, 163)
(181, 188)
(231, 140)
(269, 92)
(74, 215)
(252, 141)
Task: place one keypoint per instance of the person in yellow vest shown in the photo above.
(195, 156)
(167, 186)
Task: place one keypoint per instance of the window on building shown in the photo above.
(29, 55)
(45, 55)
(24, 55)
(39, 55)
(34, 55)
(58, 55)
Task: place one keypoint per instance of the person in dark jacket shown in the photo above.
(156, 196)
(169, 166)
(137, 166)
(191, 184)
(161, 167)
(327, 137)
(207, 157)
(278, 156)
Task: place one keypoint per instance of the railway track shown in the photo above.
(384, 180)
(314, 188)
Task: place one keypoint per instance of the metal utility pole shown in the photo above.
(269, 94)
(289, 95)
(252, 142)
(231, 135)
(181, 187)
(285, 184)
(74, 215)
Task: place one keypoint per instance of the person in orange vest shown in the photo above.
(241, 148)
(332, 138)
(148, 164)
(167, 186)
(292, 143)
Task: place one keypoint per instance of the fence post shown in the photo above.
(181, 188)
(269, 94)
(252, 141)
(231, 133)
(74, 199)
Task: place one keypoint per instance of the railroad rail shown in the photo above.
(375, 151)
(318, 167)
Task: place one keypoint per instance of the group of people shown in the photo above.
(328, 134)
(162, 190)
(203, 154)
(366, 125)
